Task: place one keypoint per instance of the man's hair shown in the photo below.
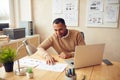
(59, 20)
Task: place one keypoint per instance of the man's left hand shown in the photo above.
(65, 55)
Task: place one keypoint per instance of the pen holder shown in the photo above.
(70, 73)
(70, 77)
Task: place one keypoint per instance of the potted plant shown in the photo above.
(7, 57)
(29, 73)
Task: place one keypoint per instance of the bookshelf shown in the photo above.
(33, 39)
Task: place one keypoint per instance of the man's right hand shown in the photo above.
(50, 60)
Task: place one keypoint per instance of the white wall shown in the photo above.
(42, 14)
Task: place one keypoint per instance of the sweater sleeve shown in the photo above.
(47, 43)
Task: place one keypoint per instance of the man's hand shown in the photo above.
(66, 55)
(50, 60)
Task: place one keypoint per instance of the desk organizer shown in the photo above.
(70, 74)
(70, 77)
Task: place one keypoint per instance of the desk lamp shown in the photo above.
(30, 50)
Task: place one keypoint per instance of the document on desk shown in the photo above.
(58, 67)
(29, 62)
(40, 64)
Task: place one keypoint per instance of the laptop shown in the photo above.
(87, 55)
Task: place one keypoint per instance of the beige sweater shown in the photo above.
(64, 44)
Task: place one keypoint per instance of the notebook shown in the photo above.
(87, 55)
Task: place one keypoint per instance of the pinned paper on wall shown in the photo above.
(57, 6)
(112, 1)
(102, 13)
(95, 15)
(95, 18)
(111, 13)
(68, 10)
(95, 5)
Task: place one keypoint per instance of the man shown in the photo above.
(63, 41)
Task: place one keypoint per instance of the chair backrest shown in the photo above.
(83, 35)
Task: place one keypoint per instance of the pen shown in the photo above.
(73, 71)
(69, 72)
(66, 73)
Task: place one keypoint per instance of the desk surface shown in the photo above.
(99, 72)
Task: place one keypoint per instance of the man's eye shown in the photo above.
(61, 30)
(55, 30)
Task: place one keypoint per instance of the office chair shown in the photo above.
(82, 35)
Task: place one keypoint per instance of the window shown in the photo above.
(4, 11)
(4, 14)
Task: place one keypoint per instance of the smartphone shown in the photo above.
(106, 61)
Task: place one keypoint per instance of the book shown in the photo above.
(4, 39)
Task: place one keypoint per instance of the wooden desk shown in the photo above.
(104, 72)
(100, 72)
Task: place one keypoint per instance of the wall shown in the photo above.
(42, 17)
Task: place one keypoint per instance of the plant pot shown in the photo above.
(8, 66)
(29, 75)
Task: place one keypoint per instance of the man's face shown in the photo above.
(60, 29)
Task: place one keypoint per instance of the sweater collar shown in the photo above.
(66, 35)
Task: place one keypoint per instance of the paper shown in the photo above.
(95, 18)
(95, 12)
(70, 12)
(66, 9)
(111, 13)
(112, 1)
(40, 64)
(102, 13)
(57, 6)
(96, 5)
(58, 67)
(29, 62)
